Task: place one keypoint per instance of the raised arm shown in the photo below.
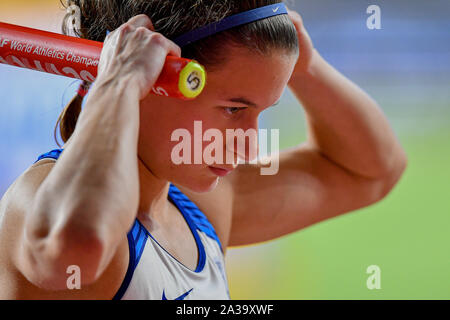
(87, 203)
(351, 158)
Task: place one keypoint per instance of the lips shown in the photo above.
(221, 172)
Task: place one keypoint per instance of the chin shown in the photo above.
(200, 184)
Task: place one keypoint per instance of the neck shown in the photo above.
(153, 193)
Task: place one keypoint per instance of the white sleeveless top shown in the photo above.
(155, 274)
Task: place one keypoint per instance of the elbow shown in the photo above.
(83, 248)
(72, 256)
(386, 182)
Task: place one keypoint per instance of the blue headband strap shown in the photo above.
(231, 22)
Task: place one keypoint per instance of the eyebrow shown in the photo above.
(249, 103)
(243, 101)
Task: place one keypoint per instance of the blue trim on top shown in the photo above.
(201, 249)
(130, 270)
(54, 154)
(136, 243)
(231, 22)
(195, 215)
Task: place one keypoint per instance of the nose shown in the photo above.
(242, 143)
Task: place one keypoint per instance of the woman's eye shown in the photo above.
(233, 110)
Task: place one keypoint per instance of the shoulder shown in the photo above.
(14, 206)
(18, 199)
(22, 191)
(19, 196)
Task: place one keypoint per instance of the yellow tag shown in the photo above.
(192, 80)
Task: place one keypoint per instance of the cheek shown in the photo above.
(154, 134)
(158, 124)
(156, 129)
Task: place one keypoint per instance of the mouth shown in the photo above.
(221, 172)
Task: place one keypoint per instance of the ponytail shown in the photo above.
(67, 120)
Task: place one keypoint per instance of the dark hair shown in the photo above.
(173, 18)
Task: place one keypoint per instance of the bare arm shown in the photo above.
(345, 124)
(89, 200)
(89, 197)
(350, 160)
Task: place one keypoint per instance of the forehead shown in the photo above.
(260, 78)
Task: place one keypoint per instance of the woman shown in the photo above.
(113, 205)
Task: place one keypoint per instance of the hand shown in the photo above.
(136, 54)
(305, 44)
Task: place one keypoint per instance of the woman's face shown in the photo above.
(258, 79)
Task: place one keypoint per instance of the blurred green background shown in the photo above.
(405, 67)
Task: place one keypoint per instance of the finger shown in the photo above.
(171, 47)
(295, 16)
(174, 49)
(141, 20)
